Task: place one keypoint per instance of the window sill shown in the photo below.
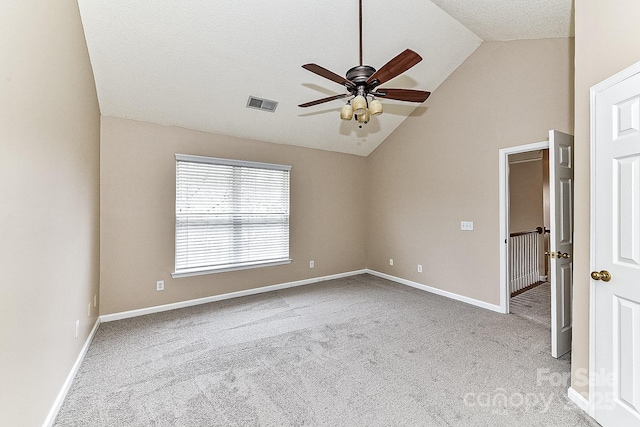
(224, 269)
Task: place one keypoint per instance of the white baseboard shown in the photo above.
(437, 291)
(57, 404)
(581, 401)
(543, 278)
(198, 301)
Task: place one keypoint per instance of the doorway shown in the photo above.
(560, 253)
(518, 154)
(529, 226)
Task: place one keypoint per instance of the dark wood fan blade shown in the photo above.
(409, 95)
(320, 101)
(395, 67)
(321, 71)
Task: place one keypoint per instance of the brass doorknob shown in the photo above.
(551, 254)
(563, 255)
(603, 275)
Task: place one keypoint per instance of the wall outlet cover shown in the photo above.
(466, 225)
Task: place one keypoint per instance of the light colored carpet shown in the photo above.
(534, 305)
(359, 351)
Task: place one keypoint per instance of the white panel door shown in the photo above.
(561, 240)
(615, 251)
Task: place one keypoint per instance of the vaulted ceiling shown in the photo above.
(194, 64)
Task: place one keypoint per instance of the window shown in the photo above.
(230, 215)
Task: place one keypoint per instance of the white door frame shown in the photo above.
(504, 215)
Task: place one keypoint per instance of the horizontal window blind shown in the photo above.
(230, 214)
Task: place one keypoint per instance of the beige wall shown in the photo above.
(526, 204)
(525, 196)
(440, 166)
(49, 148)
(607, 41)
(328, 217)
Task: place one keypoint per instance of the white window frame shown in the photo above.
(219, 268)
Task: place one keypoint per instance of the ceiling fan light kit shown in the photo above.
(362, 84)
(346, 113)
(359, 104)
(375, 107)
(364, 117)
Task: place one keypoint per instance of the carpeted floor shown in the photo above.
(534, 305)
(359, 351)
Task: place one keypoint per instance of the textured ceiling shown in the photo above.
(494, 20)
(194, 64)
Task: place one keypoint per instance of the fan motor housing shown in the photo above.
(359, 74)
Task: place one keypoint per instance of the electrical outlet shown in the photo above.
(77, 328)
(95, 300)
(312, 264)
(390, 261)
(160, 285)
(419, 268)
(466, 225)
(89, 310)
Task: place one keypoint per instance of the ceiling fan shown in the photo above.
(362, 83)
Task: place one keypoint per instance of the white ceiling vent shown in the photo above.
(262, 104)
